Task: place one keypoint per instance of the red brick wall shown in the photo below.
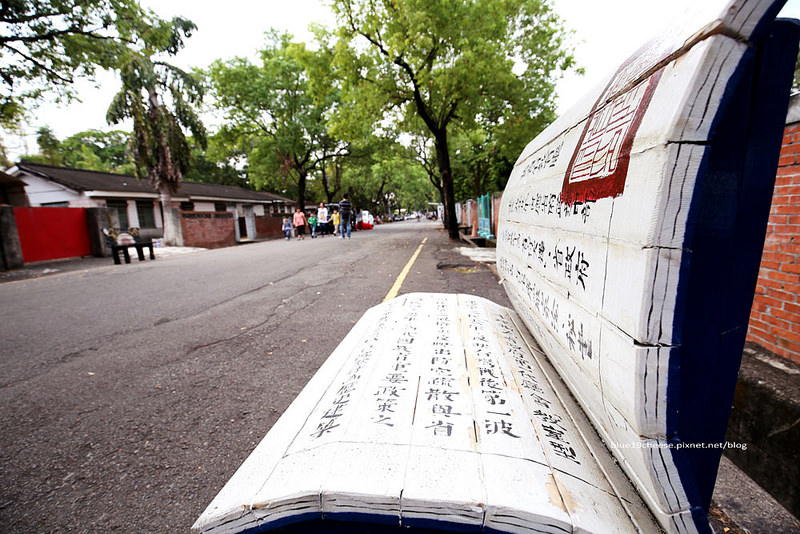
(497, 199)
(775, 317)
(473, 215)
(269, 226)
(208, 229)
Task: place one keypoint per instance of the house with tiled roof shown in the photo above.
(132, 202)
(12, 191)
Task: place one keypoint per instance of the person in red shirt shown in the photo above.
(299, 221)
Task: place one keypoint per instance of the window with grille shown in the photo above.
(121, 209)
(147, 219)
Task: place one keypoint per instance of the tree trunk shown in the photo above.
(437, 184)
(442, 201)
(448, 195)
(331, 190)
(328, 193)
(301, 190)
(477, 181)
(165, 177)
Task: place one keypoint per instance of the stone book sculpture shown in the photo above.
(629, 242)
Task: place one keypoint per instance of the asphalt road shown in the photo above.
(132, 393)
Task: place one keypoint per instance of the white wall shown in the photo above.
(42, 191)
(133, 215)
(793, 114)
(250, 221)
(157, 212)
(204, 206)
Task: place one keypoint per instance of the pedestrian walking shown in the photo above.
(312, 223)
(346, 213)
(336, 219)
(299, 221)
(323, 220)
(287, 228)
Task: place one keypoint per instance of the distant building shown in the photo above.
(134, 203)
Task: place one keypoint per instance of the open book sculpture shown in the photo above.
(630, 238)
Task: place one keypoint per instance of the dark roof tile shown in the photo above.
(83, 180)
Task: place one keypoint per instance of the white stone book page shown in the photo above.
(432, 413)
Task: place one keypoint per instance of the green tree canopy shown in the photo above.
(276, 114)
(4, 161)
(159, 99)
(209, 167)
(49, 146)
(382, 175)
(97, 150)
(449, 63)
(46, 44)
(92, 150)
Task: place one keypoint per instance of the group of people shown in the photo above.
(320, 221)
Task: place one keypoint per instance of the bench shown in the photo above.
(120, 241)
(630, 238)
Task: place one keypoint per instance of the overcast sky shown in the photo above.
(605, 33)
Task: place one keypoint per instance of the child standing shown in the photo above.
(336, 219)
(287, 228)
(312, 222)
(322, 218)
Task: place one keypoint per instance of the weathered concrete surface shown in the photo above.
(131, 393)
(766, 418)
(742, 506)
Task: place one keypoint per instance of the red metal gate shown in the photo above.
(51, 233)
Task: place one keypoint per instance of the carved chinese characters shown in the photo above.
(444, 380)
(440, 398)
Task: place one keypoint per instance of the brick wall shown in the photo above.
(497, 199)
(775, 317)
(208, 229)
(269, 226)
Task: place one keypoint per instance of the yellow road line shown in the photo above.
(402, 276)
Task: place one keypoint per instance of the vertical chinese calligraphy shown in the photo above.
(440, 390)
(332, 413)
(497, 417)
(551, 423)
(394, 382)
(569, 262)
(573, 334)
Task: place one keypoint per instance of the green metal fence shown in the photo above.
(485, 216)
